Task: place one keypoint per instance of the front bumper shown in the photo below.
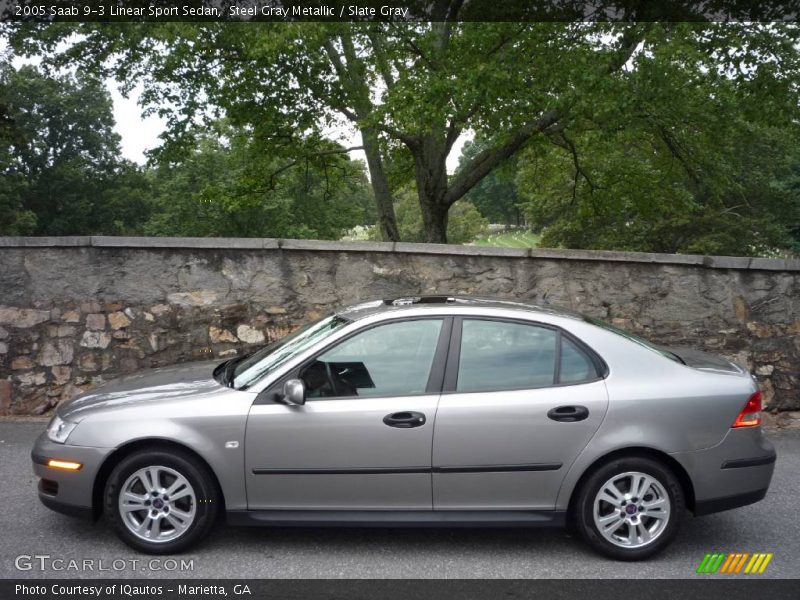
(736, 472)
(68, 492)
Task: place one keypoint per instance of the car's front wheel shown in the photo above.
(630, 508)
(161, 501)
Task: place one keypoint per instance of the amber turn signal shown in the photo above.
(64, 464)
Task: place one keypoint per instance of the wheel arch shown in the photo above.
(122, 452)
(640, 451)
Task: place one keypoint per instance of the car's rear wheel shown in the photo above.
(630, 508)
(161, 502)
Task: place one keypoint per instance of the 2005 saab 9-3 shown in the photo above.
(418, 412)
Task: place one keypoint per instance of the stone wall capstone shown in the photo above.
(78, 311)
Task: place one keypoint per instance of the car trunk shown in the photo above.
(705, 360)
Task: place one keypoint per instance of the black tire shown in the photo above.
(206, 493)
(583, 512)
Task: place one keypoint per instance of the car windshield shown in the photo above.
(635, 338)
(241, 373)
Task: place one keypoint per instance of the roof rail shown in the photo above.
(405, 301)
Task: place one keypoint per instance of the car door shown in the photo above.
(520, 401)
(363, 438)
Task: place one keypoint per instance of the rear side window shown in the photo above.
(497, 355)
(503, 355)
(575, 364)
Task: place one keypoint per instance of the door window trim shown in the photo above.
(450, 385)
(435, 377)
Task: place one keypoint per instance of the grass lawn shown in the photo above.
(509, 239)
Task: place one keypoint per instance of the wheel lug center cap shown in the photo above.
(158, 503)
(630, 509)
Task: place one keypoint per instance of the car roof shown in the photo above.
(374, 307)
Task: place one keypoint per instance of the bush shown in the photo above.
(464, 223)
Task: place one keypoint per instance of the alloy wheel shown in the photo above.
(157, 504)
(631, 510)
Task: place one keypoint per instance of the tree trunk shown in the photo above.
(387, 221)
(434, 220)
(430, 169)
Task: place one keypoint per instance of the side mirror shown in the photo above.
(294, 392)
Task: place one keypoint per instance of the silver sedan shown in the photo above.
(427, 411)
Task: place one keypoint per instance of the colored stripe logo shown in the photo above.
(736, 563)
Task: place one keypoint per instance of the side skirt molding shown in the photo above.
(399, 518)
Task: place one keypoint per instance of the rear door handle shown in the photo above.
(568, 413)
(405, 419)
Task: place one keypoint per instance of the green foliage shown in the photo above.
(495, 196)
(62, 174)
(59, 159)
(637, 131)
(464, 222)
(227, 186)
(694, 176)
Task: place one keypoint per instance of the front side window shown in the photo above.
(388, 360)
(502, 355)
(249, 369)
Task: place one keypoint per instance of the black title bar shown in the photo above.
(743, 588)
(397, 10)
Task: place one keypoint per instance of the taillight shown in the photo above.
(750, 415)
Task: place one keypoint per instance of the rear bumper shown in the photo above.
(715, 505)
(736, 472)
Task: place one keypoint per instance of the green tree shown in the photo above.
(713, 173)
(14, 219)
(411, 89)
(219, 189)
(495, 196)
(59, 158)
(464, 225)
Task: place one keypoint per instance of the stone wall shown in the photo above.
(75, 312)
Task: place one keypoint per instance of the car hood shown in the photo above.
(182, 382)
(698, 359)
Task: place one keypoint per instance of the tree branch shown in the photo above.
(630, 42)
(411, 44)
(484, 162)
(335, 58)
(447, 10)
(306, 158)
(457, 123)
(344, 78)
(674, 147)
(565, 142)
(364, 108)
(451, 136)
(382, 62)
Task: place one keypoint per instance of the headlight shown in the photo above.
(58, 429)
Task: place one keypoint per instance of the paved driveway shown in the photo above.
(29, 529)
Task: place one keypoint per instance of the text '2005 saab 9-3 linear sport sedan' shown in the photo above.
(446, 411)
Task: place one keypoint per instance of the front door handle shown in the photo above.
(405, 419)
(568, 413)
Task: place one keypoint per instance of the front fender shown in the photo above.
(216, 435)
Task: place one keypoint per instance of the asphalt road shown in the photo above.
(28, 528)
